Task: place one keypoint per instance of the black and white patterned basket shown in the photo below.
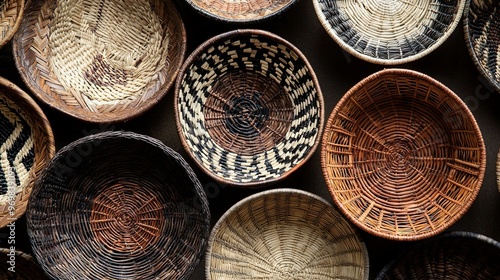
(249, 109)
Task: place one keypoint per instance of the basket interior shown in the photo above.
(10, 13)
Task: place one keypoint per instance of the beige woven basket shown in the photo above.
(100, 61)
(11, 14)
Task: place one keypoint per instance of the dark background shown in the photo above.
(337, 72)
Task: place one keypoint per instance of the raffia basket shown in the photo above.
(455, 255)
(27, 144)
(249, 109)
(11, 14)
(389, 32)
(285, 234)
(100, 61)
(402, 155)
(482, 37)
(118, 205)
(24, 266)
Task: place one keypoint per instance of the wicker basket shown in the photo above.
(402, 155)
(118, 205)
(389, 32)
(100, 61)
(23, 265)
(249, 109)
(285, 234)
(27, 144)
(455, 255)
(482, 37)
(11, 14)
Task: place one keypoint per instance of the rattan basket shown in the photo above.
(27, 144)
(16, 265)
(389, 32)
(100, 61)
(118, 205)
(482, 36)
(402, 155)
(455, 255)
(249, 109)
(11, 14)
(285, 234)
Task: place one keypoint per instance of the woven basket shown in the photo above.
(100, 61)
(23, 265)
(11, 14)
(27, 144)
(482, 37)
(285, 234)
(455, 255)
(402, 155)
(118, 205)
(249, 109)
(389, 32)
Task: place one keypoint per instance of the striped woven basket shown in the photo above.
(389, 32)
(285, 234)
(482, 37)
(100, 61)
(118, 205)
(402, 155)
(11, 14)
(249, 109)
(16, 265)
(27, 144)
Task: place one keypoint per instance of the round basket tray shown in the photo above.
(455, 255)
(118, 205)
(11, 14)
(27, 144)
(100, 61)
(482, 36)
(16, 265)
(402, 155)
(285, 234)
(389, 32)
(249, 109)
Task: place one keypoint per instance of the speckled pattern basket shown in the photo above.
(249, 109)
(11, 14)
(389, 32)
(402, 155)
(285, 234)
(24, 266)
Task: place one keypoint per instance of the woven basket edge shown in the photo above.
(15, 27)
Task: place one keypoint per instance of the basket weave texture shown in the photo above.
(402, 155)
(285, 234)
(389, 32)
(25, 266)
(27, 144)
(11, 14)
(118, 205)
(100, 61)
(249, 109)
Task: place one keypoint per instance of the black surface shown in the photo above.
(337, 72)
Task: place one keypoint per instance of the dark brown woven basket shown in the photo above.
(402, 155)
(16, 265)
(11, 14)
(100, 61)
(27, 143)
(455, 255)
(118, 205)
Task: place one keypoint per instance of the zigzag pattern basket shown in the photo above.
(11, 14)
(23, 265)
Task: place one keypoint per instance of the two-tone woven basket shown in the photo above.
(26, 145)
(249, 109)
(285, 234)
(118, 205)
(100, 61)
(402, 155)
(11, 14)
(16, 265)
(389, 32)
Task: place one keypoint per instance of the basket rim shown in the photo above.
(15, 27)
(195, 56)
(389, 62)
(235, 207)
(404, 72)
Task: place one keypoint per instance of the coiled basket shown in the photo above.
(11, 14)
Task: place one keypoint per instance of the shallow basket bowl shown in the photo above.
(11, 14)
(249, 109)
(16, 265)
(118, 205)
(402, 155)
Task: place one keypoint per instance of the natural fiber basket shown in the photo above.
(11, 14)
(389, 32)
(249, 109)
(402, 155)
(100, 61)
(27, 144)
(285, 234)
(455, 255)
(16, 265)
(482, 37)
(118, 205)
